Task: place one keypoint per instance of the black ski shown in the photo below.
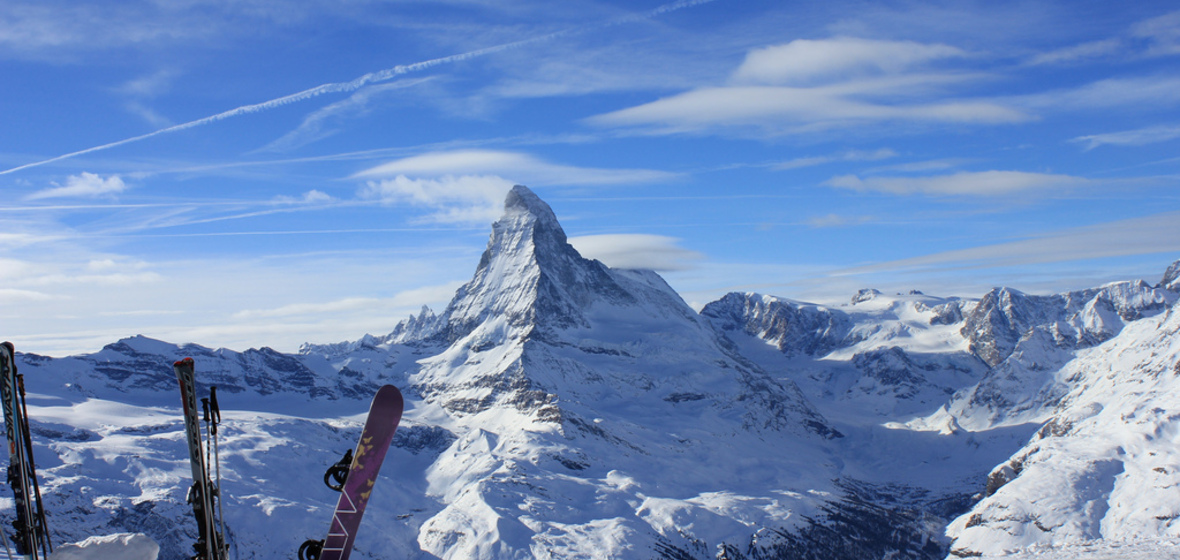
(210, 543)
(32, 531)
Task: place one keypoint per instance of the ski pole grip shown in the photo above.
(205, 405)
(213, 406)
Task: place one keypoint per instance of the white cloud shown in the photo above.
(1163, 32)
(837, 220)
(11, 295)
(853, 155)
(970, 183)
(87, 185)
(310, 197)
(61, 305)
(808, 85)
(806, 61)
(406, 299)
(1158, 233)
(517, 167)
(148, 114)
(1138, 137)
(149, 85)
(1113, 92)
(1078, 53)
(466, 199)
(923, 166)
(785, 109)
(636, 251)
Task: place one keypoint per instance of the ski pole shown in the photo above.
(213, 544)
(215, 409)
(40, 524)
(4, 537)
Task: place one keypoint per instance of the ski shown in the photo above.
(355, 476)
(30, 525)
(210, 543)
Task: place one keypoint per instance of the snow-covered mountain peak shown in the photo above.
(1104, 465)
(864, 295)
(1171, 280)
(529, 275)
(541, 334)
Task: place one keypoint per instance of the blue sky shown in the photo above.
(264, 173)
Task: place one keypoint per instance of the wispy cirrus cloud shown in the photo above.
(319, 124)
(85, 185)
(140, 90)
(823, 84)
(1157, 36)
(1120, 92)
(464, 199)
(1137, 137)
(967, 183)
(851, 155)
(401, 300)
(804, 61)
(376, 77)
(838, 220)
(469, 186)
(636, 251)
(1162, 33)
(1155, 233)
(514, 166)
(1078, 53)
(313, 196)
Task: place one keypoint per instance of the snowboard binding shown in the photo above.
(311, 549)
(338, 473)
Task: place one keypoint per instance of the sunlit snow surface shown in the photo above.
(1151, 549)
(560, 409)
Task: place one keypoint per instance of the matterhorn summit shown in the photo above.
(530, 276)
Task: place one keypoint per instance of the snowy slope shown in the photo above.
(1106, 465)
(574, 384)
(558, 408)
(1027, 340)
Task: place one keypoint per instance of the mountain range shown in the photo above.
(559, 408)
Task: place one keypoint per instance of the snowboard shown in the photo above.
(384, 415)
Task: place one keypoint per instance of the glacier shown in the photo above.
(560, 408)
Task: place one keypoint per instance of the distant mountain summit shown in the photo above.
(529, 276)
(535, 313)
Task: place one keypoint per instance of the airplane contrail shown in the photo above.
(370, 78)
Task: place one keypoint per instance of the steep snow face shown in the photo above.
(792, 327)
(573, 384)
(1105, 465)
(1171, 280)
(1075, 319)
(882, 358)
(539, 323)
(529, 275)
(1027, 339)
